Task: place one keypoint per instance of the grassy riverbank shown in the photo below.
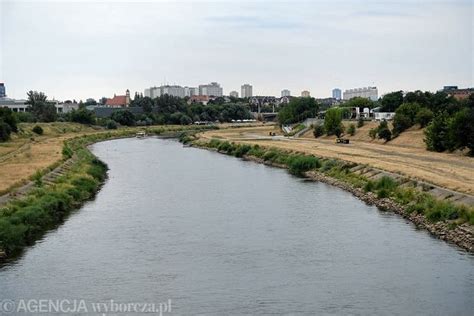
(406, 195)
(24, 220)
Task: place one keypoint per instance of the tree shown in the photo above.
(359, 102)
(333, 122)
(146, 103)
(391, 101)
(124, 117)
(42, 110)
(436, 134)
(423, 117)
(5, 131)
(297, 110)
(461, 130)
(360, 122)
(82, 116)
(405, 117)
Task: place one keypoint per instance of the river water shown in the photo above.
(221, 236)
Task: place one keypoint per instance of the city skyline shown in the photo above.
(80, 59)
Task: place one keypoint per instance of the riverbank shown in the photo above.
(48, 200)
(443, 219)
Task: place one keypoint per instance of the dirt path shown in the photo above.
(451, 171)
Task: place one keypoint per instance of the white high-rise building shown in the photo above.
(246, 91)
(155, 92)
(147, 93)
(234, 94)
(285, 93)
(305, 94)
(366, 92)
(190, 91)
(212, 89)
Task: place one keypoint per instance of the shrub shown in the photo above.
(373, 133)
(225, 147)
(383, 131)
(242, 150)
(300, 164)
(318, 131)
(38, 130)
(351, 130)
(328, 165)
(111, 124)
(360, 122)
(5, 131)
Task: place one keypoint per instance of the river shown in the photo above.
(220, 236)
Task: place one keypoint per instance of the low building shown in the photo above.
(204, 99)
(381, 116)
(234, 94)
(122, 101)
(460, 94)
(14, 105)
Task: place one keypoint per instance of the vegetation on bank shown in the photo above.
(22, 221)
(408, 196)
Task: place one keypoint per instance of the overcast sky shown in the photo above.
(86, 49)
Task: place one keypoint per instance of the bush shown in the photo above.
(5, 131)
(383, 131)
(225, 147)
(351, 130)
(111, 124)
(360, 122)
(300, 164)
(318, 131)
(373, 133)
(38, 130)
(242, 150)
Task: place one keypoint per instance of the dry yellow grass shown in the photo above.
(27, 152)
(405, 155)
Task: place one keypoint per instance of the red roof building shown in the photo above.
(199, 98)
(119, 100)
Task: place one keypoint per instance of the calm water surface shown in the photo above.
(221, 236)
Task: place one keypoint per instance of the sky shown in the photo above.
(82, 49)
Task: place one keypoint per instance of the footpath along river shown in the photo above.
(220, 236)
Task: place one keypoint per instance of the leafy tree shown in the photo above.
(359, 102)
(82, 116)
(42, 110)
(297, 110)
(144, 102)
(423, 117)
(461, 130)
(391, 101)
(333, 122)
(111, 124)
(405, 117)
(436, 134)
(124, 117)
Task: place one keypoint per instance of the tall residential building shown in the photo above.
(305, 93)
(190, 91)
(366, 92)
(234, 94)
(3, 92)
(285, 93)
(212, 89)
(336, 93)
(176, 91)
(246, 91)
